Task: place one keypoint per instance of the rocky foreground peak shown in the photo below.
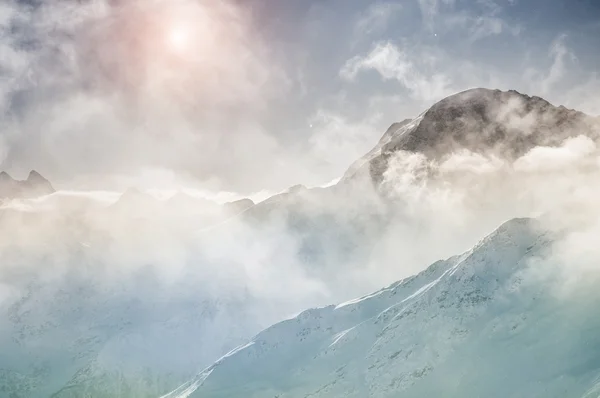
(505, 123)
(482, 120)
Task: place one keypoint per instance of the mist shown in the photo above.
(424, 210)
(151, 118)
(202, 278)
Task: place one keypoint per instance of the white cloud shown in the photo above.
(393, 63)
(584, 97)
(96, 88)
(550, 81)
(385, 58)
(484, 26)
(560, 55)
(570, 154)
(334, 138)
(469, 162)
(481, 24)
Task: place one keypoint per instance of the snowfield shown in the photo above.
(475, 325)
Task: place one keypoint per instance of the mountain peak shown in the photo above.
(505, 123)
(37, 184)
(4, 176)
(34, 175)
(34, 185)
(482, 120)
(484, 97)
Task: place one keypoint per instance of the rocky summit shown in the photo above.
(503, 123)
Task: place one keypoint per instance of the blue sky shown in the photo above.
(264, 94)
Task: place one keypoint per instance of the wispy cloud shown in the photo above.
(376, 18)
(484, 20)
(484, 26)
(543, 82)
(430, 10)
(95, 86)
(585, 96)
(335, 136)
(561, 55)
(394, 63)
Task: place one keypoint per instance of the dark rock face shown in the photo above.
(504, 123)
(35, 185)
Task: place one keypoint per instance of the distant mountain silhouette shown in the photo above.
(238, 206)
(35, 185)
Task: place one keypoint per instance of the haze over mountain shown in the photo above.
(136, 295)
(483, 323)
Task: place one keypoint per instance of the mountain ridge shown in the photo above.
(334, 230)
(35, 185)
(463, 111)
(279, 361)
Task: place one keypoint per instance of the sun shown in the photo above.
(178, 38)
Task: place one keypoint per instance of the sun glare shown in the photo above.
(178, 38)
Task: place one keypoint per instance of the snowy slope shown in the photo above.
(84, 339)
(475, 325)
(85, 330)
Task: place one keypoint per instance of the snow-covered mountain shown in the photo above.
(89, 333)
(479, 324)
(131, 299)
